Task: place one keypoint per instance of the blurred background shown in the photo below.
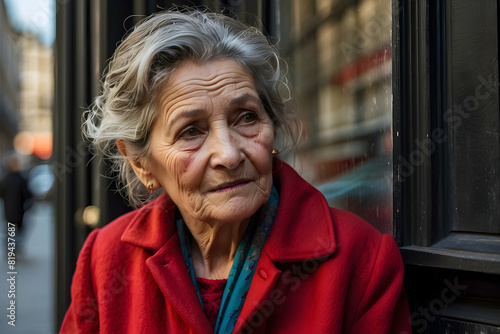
(371, 81)
(27, 34)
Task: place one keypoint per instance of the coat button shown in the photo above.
(262, 274)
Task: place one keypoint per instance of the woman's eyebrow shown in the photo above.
(245, 98)
(183, 114)
(193, 113)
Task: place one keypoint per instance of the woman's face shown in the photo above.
(211, 146)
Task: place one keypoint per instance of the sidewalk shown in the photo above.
(34, 281)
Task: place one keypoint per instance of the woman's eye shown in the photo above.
(190, 132)
(248, 118)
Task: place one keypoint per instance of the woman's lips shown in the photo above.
(231, 185)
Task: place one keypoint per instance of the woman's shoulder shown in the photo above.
(146, 227)
(354, 229)
(304, 208)
(120, 223)
(362, 242)
(352, 224)
(109, 235)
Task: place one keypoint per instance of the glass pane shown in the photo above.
(339, 53)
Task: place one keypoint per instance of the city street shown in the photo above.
(34, 281)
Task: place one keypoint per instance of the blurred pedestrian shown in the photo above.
(15, 194)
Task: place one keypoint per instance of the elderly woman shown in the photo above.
(237, 241)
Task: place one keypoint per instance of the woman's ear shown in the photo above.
(143, 172)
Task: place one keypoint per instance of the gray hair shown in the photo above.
(128, 105)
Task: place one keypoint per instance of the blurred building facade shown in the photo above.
(37, 96)
(26, 92)
(10, 83)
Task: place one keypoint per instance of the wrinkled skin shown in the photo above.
(211, 145)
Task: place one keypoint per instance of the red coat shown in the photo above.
(321, 270)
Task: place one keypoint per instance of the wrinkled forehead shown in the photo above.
(194, 83)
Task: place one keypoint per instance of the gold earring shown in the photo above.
(275, 151)
(150, 188)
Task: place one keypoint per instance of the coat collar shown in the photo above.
(290, 240)
(303, 227)
(151, 225)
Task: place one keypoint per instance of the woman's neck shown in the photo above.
(214, 247)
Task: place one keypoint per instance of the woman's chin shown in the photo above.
(236, 209)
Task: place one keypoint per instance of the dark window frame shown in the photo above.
(423, 192)
(438, 257)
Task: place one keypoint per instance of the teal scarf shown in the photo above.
(244, 264)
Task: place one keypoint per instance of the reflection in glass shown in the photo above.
(339, 54)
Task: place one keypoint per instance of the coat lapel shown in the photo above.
(302, 230)
(264, 280)
(171, 274)
(153, 229)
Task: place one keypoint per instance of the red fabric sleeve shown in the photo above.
(384, 306)
(82, 315)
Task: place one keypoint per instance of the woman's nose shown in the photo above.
(225, 149)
